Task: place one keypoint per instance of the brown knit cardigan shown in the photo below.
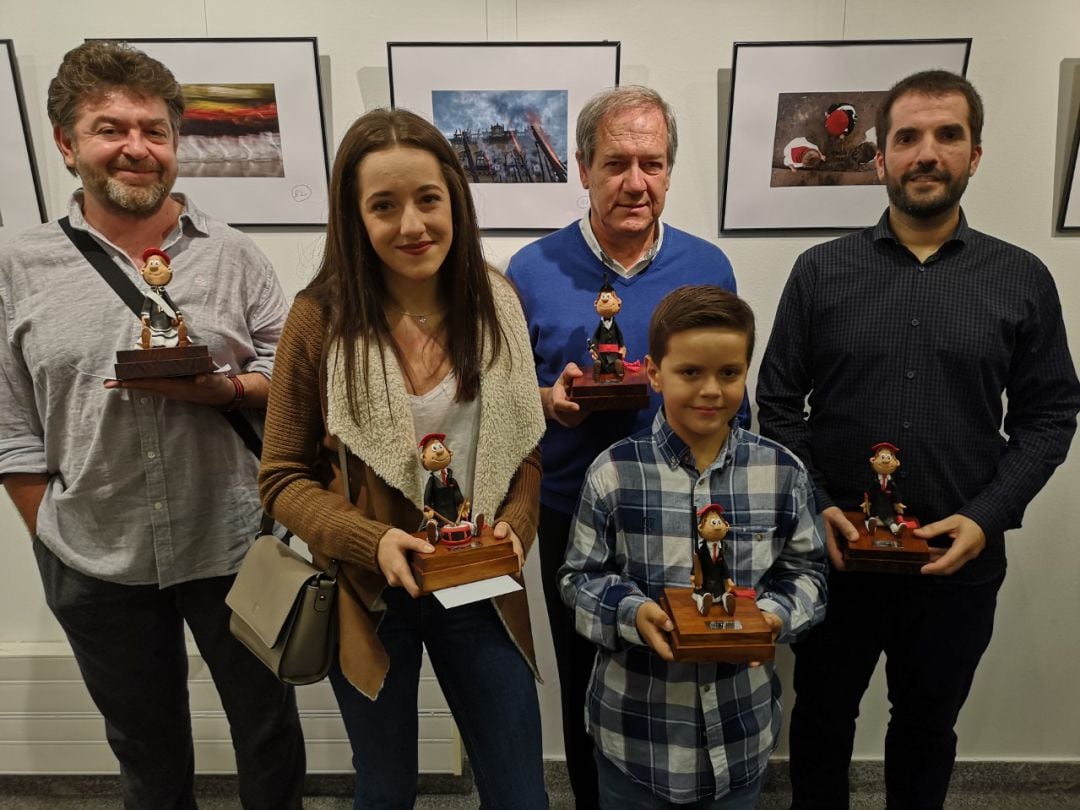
(300, 486)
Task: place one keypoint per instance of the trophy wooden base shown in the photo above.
(483, 558)
(609, 393)
(737, 639)
(885, 553)
(164, 361)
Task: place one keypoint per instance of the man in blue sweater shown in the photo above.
(626, 143)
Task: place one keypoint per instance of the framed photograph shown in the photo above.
(1069, 218)
(252, 142)
(21, 201)
(801, 134)
(510, 110)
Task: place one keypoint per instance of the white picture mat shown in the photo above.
(582, 70)
(1070, 216)
(298, 198)
(19, 201)
(761, 74)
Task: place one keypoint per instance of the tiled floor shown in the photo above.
(1049, 788)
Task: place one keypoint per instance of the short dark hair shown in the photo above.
(934, 83)
(616, 100)
(701, 306)
(98, 67)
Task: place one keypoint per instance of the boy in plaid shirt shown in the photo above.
(671, 732)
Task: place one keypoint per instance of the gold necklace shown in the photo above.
(421, 318)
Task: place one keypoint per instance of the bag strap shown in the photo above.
(129, 293)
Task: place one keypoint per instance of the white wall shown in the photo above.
(1023, 705)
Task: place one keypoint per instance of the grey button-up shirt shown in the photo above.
(141, 490)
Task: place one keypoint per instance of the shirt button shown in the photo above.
(151, 454)
(159, 505)
(914, 321)
(706, 688)
(910, 375)
(907, 425)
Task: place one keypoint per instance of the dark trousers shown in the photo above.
(933, 633)
(128, 641)
(574, 655)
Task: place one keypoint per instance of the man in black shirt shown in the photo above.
(910, 332)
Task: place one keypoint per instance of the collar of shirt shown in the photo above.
(610, 263)
(190, 215)
(883, 233)
(675, 451)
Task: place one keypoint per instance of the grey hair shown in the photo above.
(616, 100)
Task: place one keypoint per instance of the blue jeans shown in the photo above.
(619, 792)
(490, 690)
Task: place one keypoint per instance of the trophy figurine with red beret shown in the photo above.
(465, 550)
(715, 620)
(613, 383)
(164, 349)
(885, 543)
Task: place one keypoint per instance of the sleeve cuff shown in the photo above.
(626, 619)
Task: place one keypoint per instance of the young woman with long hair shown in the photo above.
(406, 331)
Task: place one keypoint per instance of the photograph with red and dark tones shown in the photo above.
(825, 139)
(230, 130)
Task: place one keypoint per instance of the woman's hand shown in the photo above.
(392, 556)
(501, 531)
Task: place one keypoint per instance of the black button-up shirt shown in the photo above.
(882, 347)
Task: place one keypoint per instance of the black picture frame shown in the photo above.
(289, 190)
(22, 203)
(781, 96)
(515, 187)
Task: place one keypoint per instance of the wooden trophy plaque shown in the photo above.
(448, 565)
(163, 361)
(609, 393)
(735, 639)
(885, 553)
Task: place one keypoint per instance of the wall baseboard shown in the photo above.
(50, 726)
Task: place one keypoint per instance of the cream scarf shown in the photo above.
(511, 417)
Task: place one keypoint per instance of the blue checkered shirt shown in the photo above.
(688, 731)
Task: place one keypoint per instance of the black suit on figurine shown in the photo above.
(612, 336)
(883, 500)
(444, 496)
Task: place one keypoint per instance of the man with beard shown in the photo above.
(910, 332)
(141, 502)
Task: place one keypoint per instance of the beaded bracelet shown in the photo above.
(238, 395)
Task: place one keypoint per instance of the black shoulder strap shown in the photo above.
(126, 289)
(106, 267)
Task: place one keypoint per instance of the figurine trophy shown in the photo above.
(164, 349)
(613, 383)
(716, 620)
(465, 550)
(885, 543)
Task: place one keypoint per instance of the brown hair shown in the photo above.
(98, 67)
(702, 306)
(350, 283)
(614, 101)
(935, 83)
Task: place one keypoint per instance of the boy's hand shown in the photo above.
(653, 625)
(775, 624)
